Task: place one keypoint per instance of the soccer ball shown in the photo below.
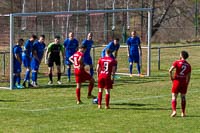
(95, 101)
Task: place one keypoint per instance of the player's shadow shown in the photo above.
(65, 86)
(10, 101)
(136, 106)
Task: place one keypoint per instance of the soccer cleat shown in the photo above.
(34, 84)
(107, 107)
(79, 102)
(50, 82)
(24, 84)
(140, 75)
(59, 82)
(131, 75)
(19, 87)
(30, 85)
(99, 107)
(14, 87)
(91, 97)
(69, 80)
(173, 114)
(183, 114)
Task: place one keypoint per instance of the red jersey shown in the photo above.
(182, 69)
(106, 64)
(78, 64)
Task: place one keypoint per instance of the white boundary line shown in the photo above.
(78, 106)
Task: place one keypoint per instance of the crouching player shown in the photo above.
(17, 54)
(106, 68)
(80, 74)
(180, 81)
(38, 52)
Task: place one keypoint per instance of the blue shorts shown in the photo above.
(67, 61)
(87, 60)
(134, 58)
(17, 68)
(26, 61)
(35, 64)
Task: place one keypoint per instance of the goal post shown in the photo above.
(13, 29)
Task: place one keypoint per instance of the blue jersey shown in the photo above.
(133, 44)
(112, 47)
(17, 50)
(28, 48)
(71, 46)
(88, 44)
(39, 48)
(17, 65)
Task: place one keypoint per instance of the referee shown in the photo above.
(53, 56)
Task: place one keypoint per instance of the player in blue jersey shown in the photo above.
(26, 58)
(71, 46)
(17, 59)
(134, 51)
(87, 59)
(113, 46)
(37, 52)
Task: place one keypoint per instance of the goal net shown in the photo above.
(104, 24)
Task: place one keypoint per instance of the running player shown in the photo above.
(71, 46)
(26, 58)
(134, 54)
(106, 68)
(180, 81)
(113, 46)
(17, 54)
(53, 55)
(80, 74)
(87, 58)
(38, 52)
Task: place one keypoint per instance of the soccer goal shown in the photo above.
(104, 24)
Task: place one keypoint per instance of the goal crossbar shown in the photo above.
(82, 12)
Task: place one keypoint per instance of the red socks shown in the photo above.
(107, 98)
(99, 98)
(78, 94)
(90, 88)
(174, 105)
(183, 104)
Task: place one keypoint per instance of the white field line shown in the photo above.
(78, 106)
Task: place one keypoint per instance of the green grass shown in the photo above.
(138, 105)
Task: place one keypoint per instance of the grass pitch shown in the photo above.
(138, 105)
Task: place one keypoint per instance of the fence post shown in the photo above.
(4, 64)
(158, 58)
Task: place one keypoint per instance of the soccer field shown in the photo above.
(138, 105)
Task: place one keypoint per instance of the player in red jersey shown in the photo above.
(180, 81)
(106, 68)
(80, 74)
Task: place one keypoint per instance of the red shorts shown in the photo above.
(179, 87)
(82, 76)
(106, 83)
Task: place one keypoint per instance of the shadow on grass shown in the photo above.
(137, 106)
(53, 86)
(10, 101)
